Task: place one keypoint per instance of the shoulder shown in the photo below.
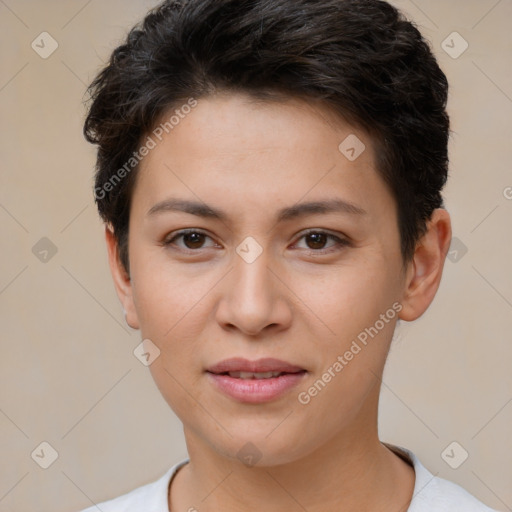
(440, 494)
(151, 497)
(434, 494)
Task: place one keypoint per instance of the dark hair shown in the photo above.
(360, 58)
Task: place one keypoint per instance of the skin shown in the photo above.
(297, 302)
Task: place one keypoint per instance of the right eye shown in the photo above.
(193, 240)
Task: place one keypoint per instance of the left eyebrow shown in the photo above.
(316, 207)
(285, 214)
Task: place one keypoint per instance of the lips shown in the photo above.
(255, 382)
(254, 375)
(238, 367)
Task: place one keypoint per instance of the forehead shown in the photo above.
(238, 122)
(232, 148)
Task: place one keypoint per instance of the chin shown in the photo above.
(263, 447)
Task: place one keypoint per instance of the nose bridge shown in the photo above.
(252, 276)
(251, 299)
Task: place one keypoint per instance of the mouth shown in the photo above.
(243, 368)
(255, 381)
(257, 375)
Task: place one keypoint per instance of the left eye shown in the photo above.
(320, 238)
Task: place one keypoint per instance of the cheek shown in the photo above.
(346, 299)
(349, 303)
(165, 294)
(173, 306)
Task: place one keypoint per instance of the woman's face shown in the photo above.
(263, 275)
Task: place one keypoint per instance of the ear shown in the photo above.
(122, 280)
(425, 270)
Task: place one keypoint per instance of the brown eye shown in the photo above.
(317, 240)
(192, 240)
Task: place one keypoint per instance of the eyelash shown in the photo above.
(340, 242)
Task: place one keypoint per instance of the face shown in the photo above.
(253, 267)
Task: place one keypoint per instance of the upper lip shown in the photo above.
(267, 364)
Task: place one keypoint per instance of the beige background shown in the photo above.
(68, 375)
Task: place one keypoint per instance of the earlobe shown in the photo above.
(426, 269)
(122, 282)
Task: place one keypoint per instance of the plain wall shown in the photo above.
(68, 375)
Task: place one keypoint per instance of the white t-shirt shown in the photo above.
(431, 494)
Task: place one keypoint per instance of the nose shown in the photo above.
(254, 299)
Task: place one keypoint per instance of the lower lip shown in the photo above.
(256, 391)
